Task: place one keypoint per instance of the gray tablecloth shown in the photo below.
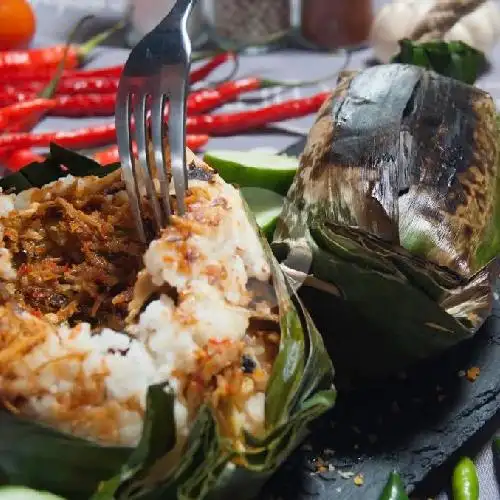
(55, 17)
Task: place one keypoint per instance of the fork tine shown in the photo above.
(157, 133)
(160, 62)
(122, 114)
(144, 157)
(177, 140)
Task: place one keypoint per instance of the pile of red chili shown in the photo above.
(29, 90)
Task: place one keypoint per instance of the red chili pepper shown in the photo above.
(73, 103)
(42, 75)
(29, 62)
(198, 102)
(197, 74)
(65, 86)
(113, 72)
(88, 85)
(15, 61)
(104, 104)
(207, 99)
(20, 158)
(202, 72)
(73, 139)
(16, 117)
(84, 105)
(110, 155)
(221, 124)
(7, 98)
(232, 123)
(89, 80)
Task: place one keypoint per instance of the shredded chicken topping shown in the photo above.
(77, 257)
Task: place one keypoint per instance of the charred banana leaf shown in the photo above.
(210, 465)
(395, 210)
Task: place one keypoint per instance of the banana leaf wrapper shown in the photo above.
(300, 389)
(393, 217)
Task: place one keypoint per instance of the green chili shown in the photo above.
(394, 489)
(465, 484)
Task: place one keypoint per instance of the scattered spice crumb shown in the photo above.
(306, 447)
(355, 429)
(320, 465)
(461, 373)
(359, 480)
(329, 452)
(473, 373)
(441, 398)
(356, 446)
(439, 388)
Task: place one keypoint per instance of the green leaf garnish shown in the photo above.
(42, 458)
(59, 163)
(454, 59)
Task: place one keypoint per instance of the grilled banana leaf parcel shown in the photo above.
(395, 211)
(184, 368)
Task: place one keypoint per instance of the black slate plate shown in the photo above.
(416, 422)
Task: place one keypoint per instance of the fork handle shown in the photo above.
(180, 11)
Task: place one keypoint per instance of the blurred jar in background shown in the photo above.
(146, 14)
(331, 24)
(255, 25)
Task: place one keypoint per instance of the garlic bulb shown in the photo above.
(396, 20)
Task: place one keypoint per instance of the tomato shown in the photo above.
(17, 24)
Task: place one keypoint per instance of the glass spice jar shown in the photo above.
(332, 24)
(252, 25)
(144, 15)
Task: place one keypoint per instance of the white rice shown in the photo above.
(163, 340)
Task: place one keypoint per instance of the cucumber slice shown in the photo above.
(265, 205)
(22, 493)
(254, 168)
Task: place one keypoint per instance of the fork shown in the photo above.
(156, 70)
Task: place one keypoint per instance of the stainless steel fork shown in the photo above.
(156, 72)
